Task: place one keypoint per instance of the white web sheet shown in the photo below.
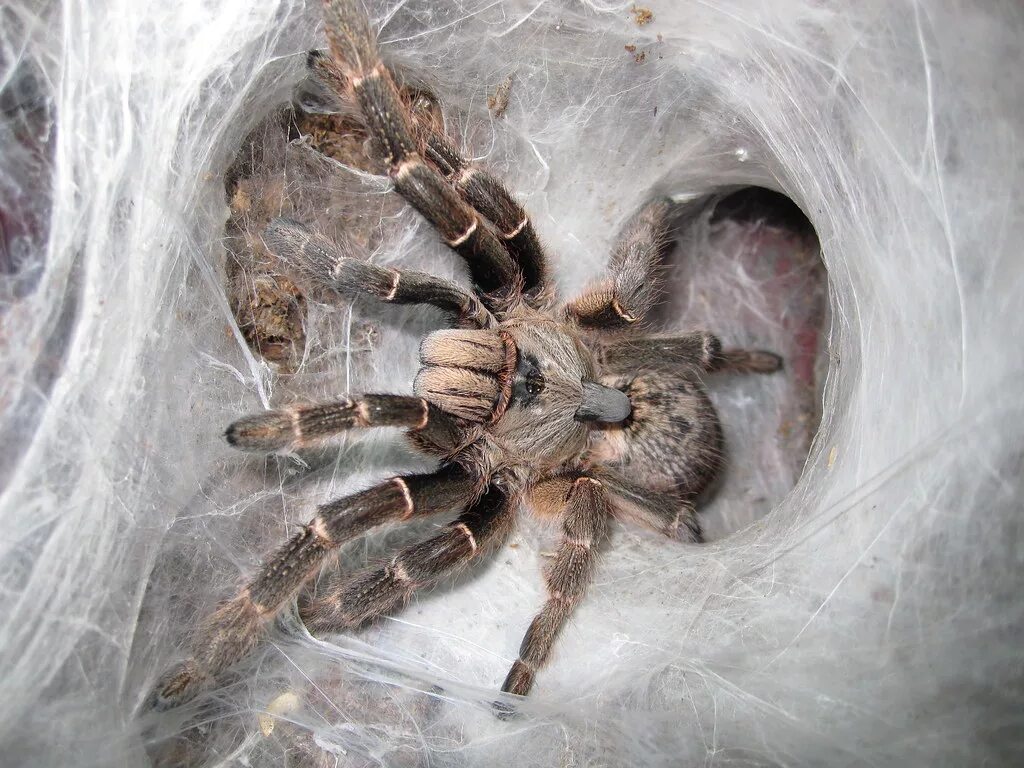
(872, 618)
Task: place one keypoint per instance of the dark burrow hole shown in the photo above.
(748, 267)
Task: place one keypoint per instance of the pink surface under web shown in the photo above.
(748, 269)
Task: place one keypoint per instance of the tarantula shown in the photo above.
(564, 408)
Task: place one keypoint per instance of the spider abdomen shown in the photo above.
(673, 438)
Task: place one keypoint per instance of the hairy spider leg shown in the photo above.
(379, 590)
(235, 628)
(584, 524)
(746, 361)
(323, 261)
(694, 351)
(488, 195)
(354, 48)
(299, 425)
(634, 284)
(475, 184)
(669, 513)
(672, 353)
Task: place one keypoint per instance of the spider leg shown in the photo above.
(476, 185)
(663, 512)
(324, 262)
(354, 48)
(237, 626)
(633, 285)
(489, 196)
(298, 425)
(430, 429)
(584, 525)
(380, 590)
(698, 350)
(746, 361)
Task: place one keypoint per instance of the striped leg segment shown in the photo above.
(381, 590)
(490, 197)
(634, 283)
(234, 629)
(698, 350)
(584, 525)
(354, 49)
(477, 186)
(324, 263)
(299, 425)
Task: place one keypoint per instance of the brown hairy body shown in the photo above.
(562, 408)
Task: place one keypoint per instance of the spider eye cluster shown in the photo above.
(528, 382)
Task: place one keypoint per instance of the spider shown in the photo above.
(565, 408)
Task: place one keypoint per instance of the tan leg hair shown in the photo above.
(634, 282)
(300, 425)
(239, 624)
(747, 361)
(380, 590)
(584, 525)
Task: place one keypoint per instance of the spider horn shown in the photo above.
(601, 403)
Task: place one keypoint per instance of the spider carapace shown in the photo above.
(563, 408)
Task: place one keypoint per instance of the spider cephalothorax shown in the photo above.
(562, 408)
(531, 386)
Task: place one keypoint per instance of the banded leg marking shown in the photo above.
(239, 624)
(354, 50)
(325, 263)
(299, 425)
(380, 590)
